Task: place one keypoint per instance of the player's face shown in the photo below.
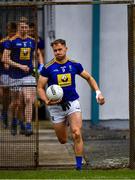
(59, 51)
(23, 28)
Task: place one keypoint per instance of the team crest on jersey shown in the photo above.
(64, 79)
(25, 53)
(25, 44)
(63, 68)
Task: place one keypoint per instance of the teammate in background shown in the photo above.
(62, 70)
(19, 54)
(4, 74)
(1, 90)
(40, 43)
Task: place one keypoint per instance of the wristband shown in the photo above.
(97, 93)
(40, 67)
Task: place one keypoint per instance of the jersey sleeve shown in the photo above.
(40, 44)
(34, 44)
(7, 45)
(44, 72)
(79, 68)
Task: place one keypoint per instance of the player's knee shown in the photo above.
(14, 104)
(28, 99)
(62, 140)
(76, 133)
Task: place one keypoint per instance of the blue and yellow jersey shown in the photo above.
(22, 53)
(63, 75)
(40, 43)
(2, 47)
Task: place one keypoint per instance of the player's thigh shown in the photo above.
(15, 95)
(29, 93)
(75, 120)
(60, 130)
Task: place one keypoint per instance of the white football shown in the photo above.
(54, 92)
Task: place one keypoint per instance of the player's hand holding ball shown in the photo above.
(54, 94)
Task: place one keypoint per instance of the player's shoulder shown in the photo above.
(76, 64)
(74, 61)
(50, 63)
(14, 37)
(4, 39)
(30, 37)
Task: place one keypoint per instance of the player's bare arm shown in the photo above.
(40, 57)
(42, 82)
(6, 60)
(92, 83)
(40, 60)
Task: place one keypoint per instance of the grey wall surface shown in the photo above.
(114, 61)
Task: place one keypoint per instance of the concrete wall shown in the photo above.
(114, 61)
(74, 23)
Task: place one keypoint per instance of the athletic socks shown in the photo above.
(4, 115)
(28, 126)
(14, 127)
(14, 122)
(78, 162)
(22, 126)
(28, 129)
(5, 119)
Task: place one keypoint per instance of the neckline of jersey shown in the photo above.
(18, 36)
(65, 60)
